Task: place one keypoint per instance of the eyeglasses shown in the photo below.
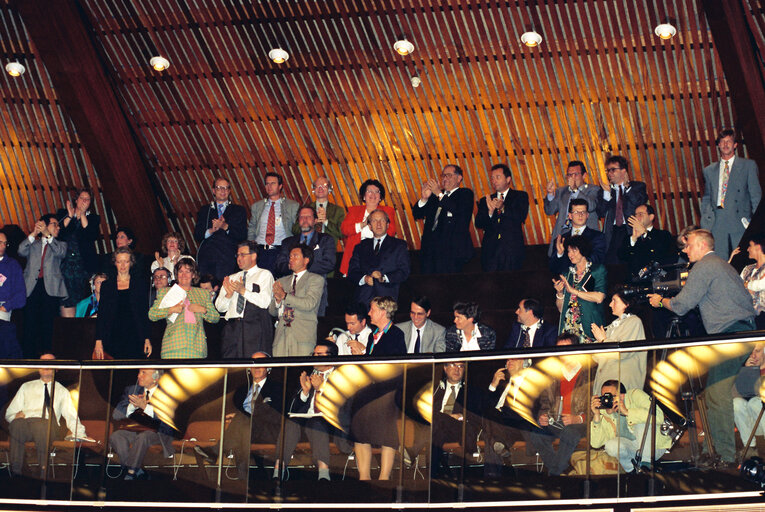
(243, 254)
(221, 187)
(160, 278)
(613, 169)
(579, 213)
(3, 242)
(460, 366)
(573, 174)
(321, 187)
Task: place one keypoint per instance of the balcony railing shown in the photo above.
(490, 449)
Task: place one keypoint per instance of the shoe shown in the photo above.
(206, 456)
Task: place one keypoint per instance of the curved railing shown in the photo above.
(506, 460)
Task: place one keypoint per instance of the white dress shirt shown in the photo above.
(448, 391)
(473, 343)
(304, 396)
(149, 410)
(29, 400)
(342, 340)
(263, 278)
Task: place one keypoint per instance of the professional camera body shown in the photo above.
(606, 401)
(666, 280)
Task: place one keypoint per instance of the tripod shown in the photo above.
(692, 402)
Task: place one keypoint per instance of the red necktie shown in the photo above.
(271, 226)
(42, 261)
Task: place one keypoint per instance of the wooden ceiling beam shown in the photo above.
(84, 91)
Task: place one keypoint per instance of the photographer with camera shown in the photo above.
(726, 307)
(619, 418)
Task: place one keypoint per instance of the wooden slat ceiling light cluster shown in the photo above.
(601, 83)
(42, 161)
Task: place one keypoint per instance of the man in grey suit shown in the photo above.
(422, 335)
(731, 194)
(271, 221)
(557, 200)
(296, 302)
(44, 283)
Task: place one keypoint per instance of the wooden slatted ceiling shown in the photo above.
(42, 162)
(601, 83)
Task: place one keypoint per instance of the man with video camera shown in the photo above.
(726, 307)
(619, 418)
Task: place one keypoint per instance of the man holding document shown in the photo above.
(305, 414)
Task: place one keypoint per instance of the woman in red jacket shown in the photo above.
(355, 228)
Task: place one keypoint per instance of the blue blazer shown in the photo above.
(391, 343)
(392, 261)
(544, 337)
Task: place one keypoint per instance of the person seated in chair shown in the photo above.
(466, 333)
(449, 416)
(139, 427)
(29, 414)
(316, 428)
(530, 330)
(562, 409)
(257, 418)
(502, 424)
(619, 428)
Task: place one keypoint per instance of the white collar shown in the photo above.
(381, 239)
(300, 274)
(569, 374)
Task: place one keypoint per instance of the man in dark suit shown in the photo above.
(311, 422)
(501, 216)
(380, 264)
(502, 424)
(617, 203)
(324, 251)
(732, 193)
(577, 212)
(141, 426)
(449, 415)
(256, 419)
(557, 199)
(530, 330)
(329, 216)
(220, 227)
(422, 335)
(447, 209)
(647, 243)
(44, 283)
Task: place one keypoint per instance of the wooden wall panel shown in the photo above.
(42, 161)
(601, 83)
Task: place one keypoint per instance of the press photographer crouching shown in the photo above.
(619, 419)
(726, 307)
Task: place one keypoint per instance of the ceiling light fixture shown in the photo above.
(531, 39)
(403, 47)
(15, 68)
(159, 63)
(416, 81)
(278, 55)
(665, 31)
